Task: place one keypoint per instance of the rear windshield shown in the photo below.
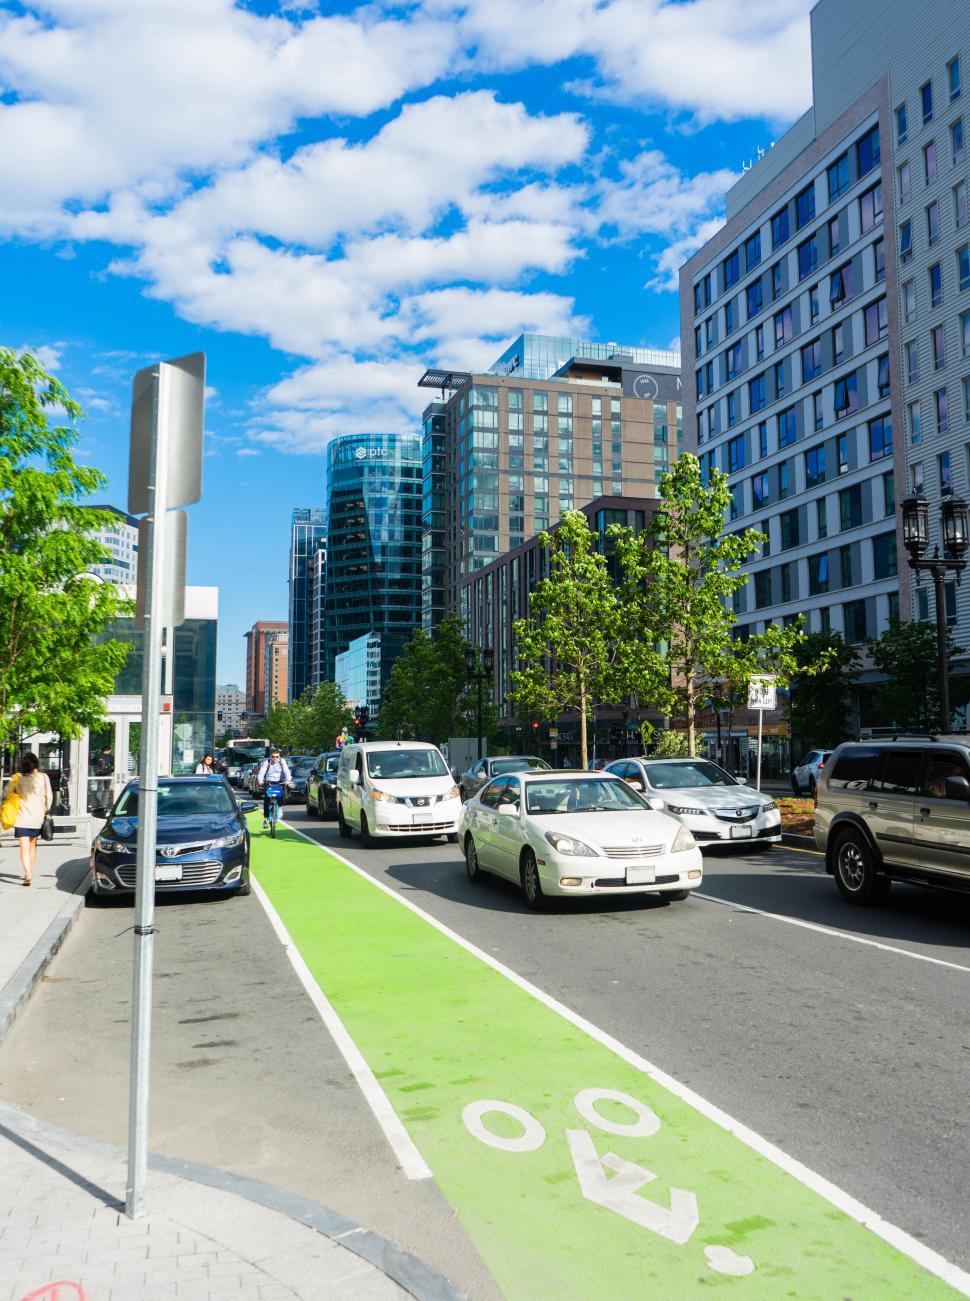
(402, 764)
(855, 768)
(676, 776)
(183, 800)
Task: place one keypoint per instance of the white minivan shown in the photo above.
(396, 788)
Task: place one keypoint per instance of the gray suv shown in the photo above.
(895, 810)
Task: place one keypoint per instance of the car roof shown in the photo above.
(185, 779)
(953, 738)
(388, 745)
(561, 774)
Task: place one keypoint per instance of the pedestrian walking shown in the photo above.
(206, 768)
(35, 797)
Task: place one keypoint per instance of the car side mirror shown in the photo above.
(656, 802)
(101, 811)
(455, 773)
(636, 783)
(248, 806)
(354, 776)
(957, 788)
(512, 809)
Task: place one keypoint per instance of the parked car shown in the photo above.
(481, 773)
(321, 785)
(705, 798)
(576, 834)
(202, 839)
(895, 810)
(804, 776)
(396, 788)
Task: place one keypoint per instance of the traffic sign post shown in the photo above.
(762, 695)
(165, 471)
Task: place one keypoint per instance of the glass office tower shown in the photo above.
(307, 533)
(373, 572)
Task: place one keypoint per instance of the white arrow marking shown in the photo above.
(619, 1192)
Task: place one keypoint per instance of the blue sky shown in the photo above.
(325, 198)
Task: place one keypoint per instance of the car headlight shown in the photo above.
(567, 845)
(766, 808)
(683, 840)
(453, 794)
(686, 808)
(384, 797)
(113, 846)
(228, 842)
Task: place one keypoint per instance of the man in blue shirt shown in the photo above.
(273, 771)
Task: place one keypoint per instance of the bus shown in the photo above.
(244, 750)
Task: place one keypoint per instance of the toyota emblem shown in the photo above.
(170, 851)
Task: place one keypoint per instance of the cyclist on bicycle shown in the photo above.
(272, 771)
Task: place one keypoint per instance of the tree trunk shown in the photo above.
(691, 712)
(582, 724)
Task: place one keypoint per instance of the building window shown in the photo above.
(777, 287)
(867, 151)
(957, 145)
(953, 78)
(876, 321)
(915, 423)
(756, 393)
(911, 351)
(737, 454)
(945, 473)
(759, 491)
(752, 250)
(813, 304)
(966, 398)
(730, 315)
(805, 206)
(731, 269)
(926, 101)
(884, 556)
(879, 259)
(733, 361)
(759, 342)
(880, 437)
(933, 223)
(842, 452)
(939, 347)
(787, 432)
(811, 360)
(850, 507)
(540, 401)
(882, 375)
(815, 466)
(765, 531)
(960, 204)
(856, 620)
(935, 274)
(870, 208)
(929, 162)
(889, 494)
(963, 267)
(762, 589)
(564, 405)
(732, 409)
(905, 240)
(902, 174)
(780, 227)
(784, 483)
(942, 415)
(783, 327)
(755, 298)
(763, 439)
(909, 301)
(901, 124)
(785, 573)
(838, 177)
(818, 416)
(818, 574)
(845, 566)
(965, 333)
(840, 285)
(807, 257)
(780, 384)
(838, 343)
(822, 517)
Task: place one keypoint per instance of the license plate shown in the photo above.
(169, 872)
(419, 818)
(641, 875)
(742, 833)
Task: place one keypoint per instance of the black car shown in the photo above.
(299, 774)
(321, 786)
(202, 839)
(481, 774)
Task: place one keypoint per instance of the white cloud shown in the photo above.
(667, 275)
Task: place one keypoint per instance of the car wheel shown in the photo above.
(365, 835)
(796, 790)
(855, 870)
(812, 786)
(245, 888)
(761, 846)
(677, 896)
(452, 837)
(307, 810)
(343, 826)
(475, 873)
(321, 811)
(531, 884)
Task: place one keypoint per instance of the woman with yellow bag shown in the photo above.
(31, 790)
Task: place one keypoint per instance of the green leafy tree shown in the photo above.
(571, 647)
(225, 738)
(670, 745)
(820, 692)
(55, 673)
(679, 578)
(313, 722)
(910, 695)
(273, 726)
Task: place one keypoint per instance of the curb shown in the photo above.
(407, 1271)
(798, 842)
(21, 985)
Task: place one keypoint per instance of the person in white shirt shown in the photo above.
(272, 771)
(205, 768)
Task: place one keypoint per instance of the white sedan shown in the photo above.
(576, 834)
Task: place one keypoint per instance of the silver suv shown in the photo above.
(895, 810)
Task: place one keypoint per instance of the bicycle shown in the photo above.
(274, 795)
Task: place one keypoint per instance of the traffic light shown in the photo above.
(535, 727)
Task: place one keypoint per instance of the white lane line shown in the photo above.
(409, 1158)
(930, 1260)
(833, 932)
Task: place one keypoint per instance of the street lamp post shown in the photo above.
(956, 540)
(481, 674)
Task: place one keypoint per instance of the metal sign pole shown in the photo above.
(152, 559)
(757, 780)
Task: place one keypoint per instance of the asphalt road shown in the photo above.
(853, 1057)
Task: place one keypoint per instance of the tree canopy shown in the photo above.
(910, 696)
(819, 707)
(310, 724)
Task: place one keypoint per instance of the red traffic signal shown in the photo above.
(535, 727)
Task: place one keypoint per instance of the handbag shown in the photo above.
(47, 828)
(11, 804)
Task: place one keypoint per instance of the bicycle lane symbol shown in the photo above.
(608, 1180)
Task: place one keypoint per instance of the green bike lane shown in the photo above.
(577, 1169)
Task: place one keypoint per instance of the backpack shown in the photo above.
(11, 804)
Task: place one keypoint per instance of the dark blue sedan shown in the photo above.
(202, 840)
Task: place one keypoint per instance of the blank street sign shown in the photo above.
(184, 380)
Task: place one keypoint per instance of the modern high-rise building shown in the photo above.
(317, 598)
(308, 531)
(826, 327)
(230, 707)
(373, 561)
(275, 675)
(259, 637)
(358, 672)
(506, 454)
(121, 539)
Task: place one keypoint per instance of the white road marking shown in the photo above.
(896, 1237)
(409, 1158)
(530, 1140)
(831, 931)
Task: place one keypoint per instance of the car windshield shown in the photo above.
(333, 763)
(404, 764)
(519, 764)
(592, 795)
(182, 800)
(301, 769)
(696, 772)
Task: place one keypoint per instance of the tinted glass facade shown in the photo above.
(307, 532)
(373, 571)
(538, 356)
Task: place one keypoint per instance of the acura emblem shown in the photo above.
(637, 840)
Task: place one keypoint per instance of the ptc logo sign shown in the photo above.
(370, 453)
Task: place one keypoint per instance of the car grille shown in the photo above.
(743, 813)
(422, 829)
(617, 882)
(632, 851)
(192, 874)
(176, 851)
